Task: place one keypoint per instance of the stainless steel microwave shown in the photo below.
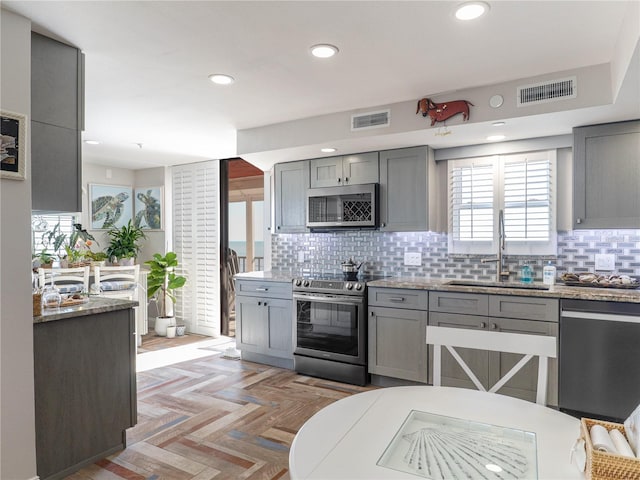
(354, 206)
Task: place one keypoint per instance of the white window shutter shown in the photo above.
(196, 240)
(472, 201)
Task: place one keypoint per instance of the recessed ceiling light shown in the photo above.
(498, 124)
(92, 142)
(471, 10)
(495, 138)
(221, 79)
(324, 50)
(328, 150)
(492, 467)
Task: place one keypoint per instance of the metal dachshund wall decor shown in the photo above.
(439, 112)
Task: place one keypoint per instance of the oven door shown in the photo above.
(331, 327)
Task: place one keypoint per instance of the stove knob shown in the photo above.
(349, 286)
(358, 286)
(298, 282)
(306, 283)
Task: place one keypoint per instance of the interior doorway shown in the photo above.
(243, 230)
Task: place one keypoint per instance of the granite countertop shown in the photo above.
(271, 276)
(93, 306)
(425, 283)
(556, 291)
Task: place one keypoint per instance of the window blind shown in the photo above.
(196, 228)
(521, 184)
(40, 224)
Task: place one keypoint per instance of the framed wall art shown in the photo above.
(148, 205)
(110, 206)
(12, 145)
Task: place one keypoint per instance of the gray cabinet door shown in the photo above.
(251, 324)
(478, 360)
(279, 318)
(397, 343)
(361, 168)
(56, 83)
(326, 172)
(403, 190)
(56, 174)
(524, 383)
(606, 172)
(291, 183)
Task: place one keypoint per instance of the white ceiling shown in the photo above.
(147, 63)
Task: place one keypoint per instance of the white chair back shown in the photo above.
(67, 280)
(118, 282)
(527, 345)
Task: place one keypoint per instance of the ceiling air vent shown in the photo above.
(377, 119)
(546, 92)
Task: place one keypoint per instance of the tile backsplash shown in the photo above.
(383, 253)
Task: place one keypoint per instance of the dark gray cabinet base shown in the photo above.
(85, 389)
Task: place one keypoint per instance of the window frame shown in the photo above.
(512, 247)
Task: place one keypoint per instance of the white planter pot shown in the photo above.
(161, 325)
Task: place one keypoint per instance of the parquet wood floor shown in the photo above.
(152, 342)
(216, 418)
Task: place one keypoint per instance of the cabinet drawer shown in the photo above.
(399, 298)
(451, 302)
(528, 308)
(264, 289)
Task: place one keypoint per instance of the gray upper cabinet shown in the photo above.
(403, 190)
(346, 170)
(291, 184)
(606, 172)
(57, 117)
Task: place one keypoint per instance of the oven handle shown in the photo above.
(330, 299)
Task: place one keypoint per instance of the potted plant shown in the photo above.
(161, 284)
(123, 243)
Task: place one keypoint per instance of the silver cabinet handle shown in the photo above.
(578, 220)
(262, 289)
(482, 325)
(494, 326)
(383, 224)
(396, 299)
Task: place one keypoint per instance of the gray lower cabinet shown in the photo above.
(291, 184)
(264, 322)
(499, 313)
(57, 117)
(85, 389)
(396, 338)
(606, 173)
(403, 190)
(344, 170)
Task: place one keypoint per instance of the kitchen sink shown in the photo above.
(491, 284)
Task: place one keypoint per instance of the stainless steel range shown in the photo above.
(330, 334)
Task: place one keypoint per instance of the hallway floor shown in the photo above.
(215, 418)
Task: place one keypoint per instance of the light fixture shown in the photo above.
(221, 79)
(498, 124)
(492, 467)
(92, 142)
(495, 138)
(471, 10)
(328, 150)
(324, 50)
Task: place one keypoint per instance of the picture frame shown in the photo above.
(13, 135)
(148, 211)
(110, 206)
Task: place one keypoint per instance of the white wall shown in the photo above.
(17, 418)
(149, 177)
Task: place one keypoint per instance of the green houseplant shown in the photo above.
(124, 241)
(161, 284)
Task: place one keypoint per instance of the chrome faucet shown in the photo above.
(501, 274)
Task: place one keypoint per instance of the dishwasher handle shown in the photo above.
(611, 317)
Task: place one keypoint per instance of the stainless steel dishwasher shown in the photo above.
(599, 358)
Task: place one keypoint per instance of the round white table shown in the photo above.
(346, 439)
